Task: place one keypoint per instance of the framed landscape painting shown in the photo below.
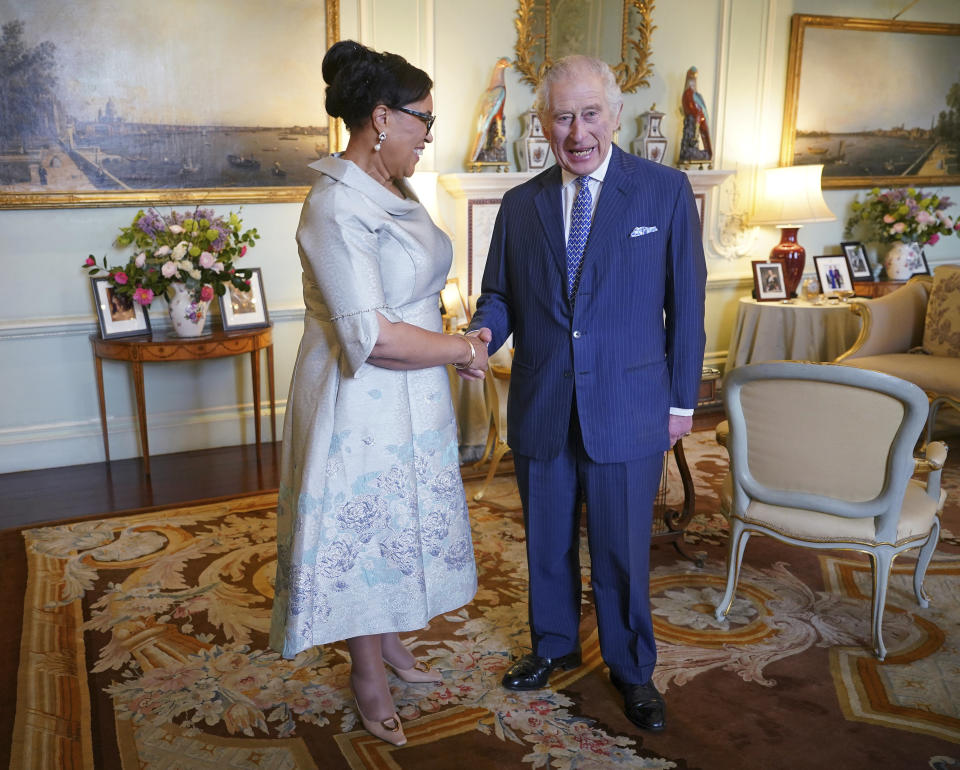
(187, 101)
(891, 116)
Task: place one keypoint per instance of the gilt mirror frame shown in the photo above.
(61, 169)
(634, 68)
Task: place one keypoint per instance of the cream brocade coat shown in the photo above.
(372, 527)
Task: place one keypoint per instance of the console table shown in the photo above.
(162, 347)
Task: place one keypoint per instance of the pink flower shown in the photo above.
(140, 260)
(889, 219)
(933, 238)
(899, 227)
(143, 296)
(243, 250)
(120, 278)
(169, 269)
(90, 261)
(206, 259)
(206, 293)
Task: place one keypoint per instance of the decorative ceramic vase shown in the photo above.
(903, 260)
(187, 316)
(533, 149)
(650, 142)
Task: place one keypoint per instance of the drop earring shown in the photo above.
(381, 139)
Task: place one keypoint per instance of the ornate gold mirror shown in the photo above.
(617, 31)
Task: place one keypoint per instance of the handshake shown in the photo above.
(475, 368)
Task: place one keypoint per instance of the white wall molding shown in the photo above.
(83, 326)
(26, 447)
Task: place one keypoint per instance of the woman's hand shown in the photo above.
(479, 339)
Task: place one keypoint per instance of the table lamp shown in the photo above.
(788, 198)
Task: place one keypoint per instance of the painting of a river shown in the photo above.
(173, 157)
(869, 155)
(854, 101)
(223, 103)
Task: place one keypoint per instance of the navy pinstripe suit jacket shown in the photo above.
(632, 343)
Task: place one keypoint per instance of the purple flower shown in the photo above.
(150, 223)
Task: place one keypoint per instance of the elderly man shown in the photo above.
(597, 268)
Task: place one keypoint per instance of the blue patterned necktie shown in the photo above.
(579, 230)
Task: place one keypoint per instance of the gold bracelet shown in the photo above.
(473, 356)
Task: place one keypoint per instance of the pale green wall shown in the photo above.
(48, 410)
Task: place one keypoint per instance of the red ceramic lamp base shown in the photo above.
(793, 256)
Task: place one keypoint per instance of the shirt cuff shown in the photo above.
(678, 412)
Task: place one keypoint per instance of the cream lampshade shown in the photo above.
(788, 198)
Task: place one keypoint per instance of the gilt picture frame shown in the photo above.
(112, 118)
(874, 126)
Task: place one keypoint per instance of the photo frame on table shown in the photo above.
(862, 129)
(92, 130)
(856, 255)
(925, 270)
(118, 315)
(244, 309)
(833, 272)
(768, 283)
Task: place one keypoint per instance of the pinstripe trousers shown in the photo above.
(619, 510)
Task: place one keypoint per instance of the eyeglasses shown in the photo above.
(426, 117)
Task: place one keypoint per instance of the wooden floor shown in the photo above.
(75, 491)
(98, 488)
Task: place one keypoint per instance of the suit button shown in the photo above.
(577, 334)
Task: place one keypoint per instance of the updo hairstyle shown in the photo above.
(359, 78)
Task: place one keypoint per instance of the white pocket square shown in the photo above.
(638, 231)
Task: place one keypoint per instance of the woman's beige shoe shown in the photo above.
(418, 673)
(389, 730)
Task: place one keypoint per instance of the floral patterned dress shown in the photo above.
(372, 527)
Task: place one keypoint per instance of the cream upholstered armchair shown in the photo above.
(840, 479)
(914, 333)
(495, 387)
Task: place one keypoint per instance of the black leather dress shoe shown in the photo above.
(532, 672)
(642, 704)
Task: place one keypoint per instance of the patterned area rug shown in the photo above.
(144, 646)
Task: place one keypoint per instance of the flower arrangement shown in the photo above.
(903, 214)
(197, 249)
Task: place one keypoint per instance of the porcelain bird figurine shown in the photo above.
(489, 145)
(695, 146)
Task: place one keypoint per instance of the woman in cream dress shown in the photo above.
(373, 535)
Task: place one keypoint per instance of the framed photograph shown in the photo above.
(244, 309)
(111, 117)
(119, 316)
(857, 258)
(862, 129)
(925, 268)
(768, 281)
(833, 272)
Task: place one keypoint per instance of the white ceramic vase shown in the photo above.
(903, 260)
(533, 149)
(187, 317)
